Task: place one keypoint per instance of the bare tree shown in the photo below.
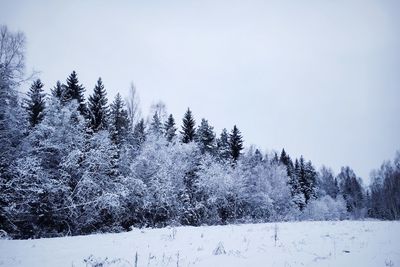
(161, 109)
(133, 106)
(12, 54)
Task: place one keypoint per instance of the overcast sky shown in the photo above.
(319, 78)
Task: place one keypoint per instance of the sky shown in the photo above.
(318, 78)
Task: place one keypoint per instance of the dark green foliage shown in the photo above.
(223, 147)
(35, 103)
(75, 91)
(235, 143)
(287, 161)
(98, 109)
(295, 186)
(205, 137)
(169, 128)
(156, 125)
(188, 127)
(139, 135)
(119, 121)
(58, 91)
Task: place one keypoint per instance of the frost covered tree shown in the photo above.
(169, 128)
(98, 108)
(205, 137)
(235, 143)
(35, 103)
(12, 126)
(95, 194)
(188, 127)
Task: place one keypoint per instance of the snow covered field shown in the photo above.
(346, 243)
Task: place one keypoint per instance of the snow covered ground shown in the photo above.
(346, 243)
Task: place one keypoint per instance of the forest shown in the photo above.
(72, 162)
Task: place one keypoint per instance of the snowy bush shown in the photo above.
(325, 208)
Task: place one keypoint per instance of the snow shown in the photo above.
(338, 243)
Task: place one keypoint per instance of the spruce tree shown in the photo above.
(74, 90)
(98, 109)
(156, 125)
(224, 150)
(58, 91)
(35, 103)
(309, 188)
(235, 143)
(295, 186)
(139, 135)
(287, 161)
(169, 128)
(188, 127)
(119, 121)
(205, 137)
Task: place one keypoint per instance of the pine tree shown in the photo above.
(223, 146)
(58, 91)
(188, 127)
(205, 137)
(74, 90)
(35, 103)
(169, 128)
(235, 143)
(119, 121)
(98, 109)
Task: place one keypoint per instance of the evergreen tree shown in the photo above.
(119, 121)
(188, 127)
(58, 91)
(205, 137)
(307, 178)
(224, 150)
(295, 186)
(139, 135)
(169, 128)
(287, 161)
(35, 103)
(235, 143)
(98, 109)
(156, 125)
(74, 90)
(309, 187)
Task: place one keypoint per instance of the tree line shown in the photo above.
(70, 166)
